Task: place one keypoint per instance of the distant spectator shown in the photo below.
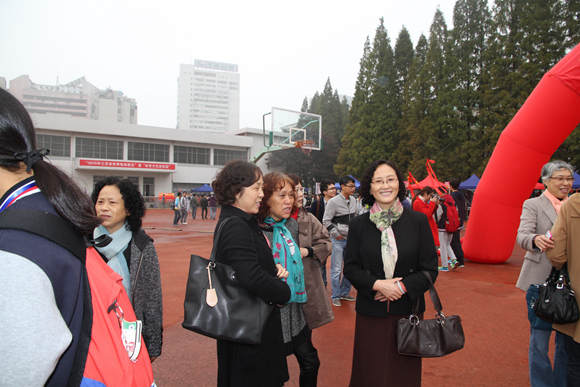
(176, 210)
(461, 203)
(193, 205)
(328, 190)
(204, 204)
(339, 212)
(212, 208)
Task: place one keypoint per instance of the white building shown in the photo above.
(158, 160)
(208, 96)
(78, 98)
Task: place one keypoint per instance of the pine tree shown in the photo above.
(410, 155)
(432, 128)
(354, 128)
(465, 68)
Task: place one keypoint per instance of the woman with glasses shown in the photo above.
(281, 231)
(538, 217)
(387, 249)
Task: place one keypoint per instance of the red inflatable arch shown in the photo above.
(549, 115)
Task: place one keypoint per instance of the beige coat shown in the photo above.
(312, 233)
(566, 234)
(538, 216)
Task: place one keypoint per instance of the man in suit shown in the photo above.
(317, 207)
(538, 216)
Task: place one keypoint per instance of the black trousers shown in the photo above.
(573, 352)
(456, 246)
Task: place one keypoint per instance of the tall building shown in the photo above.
(78, 98)
(208, 96)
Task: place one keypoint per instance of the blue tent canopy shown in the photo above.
(576, 181)
(470, 183)
(203, 188)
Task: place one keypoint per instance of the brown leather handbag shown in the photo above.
(429, 338)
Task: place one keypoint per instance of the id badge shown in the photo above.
(131, 336)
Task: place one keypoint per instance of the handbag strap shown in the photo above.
(559, 276)
(216, 239)
(434, 296)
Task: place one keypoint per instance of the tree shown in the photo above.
(410, 154)
(354, 128)
(465, 69)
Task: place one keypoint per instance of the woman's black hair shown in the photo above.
(17, 135)
(132, 198)
(365, 182)
(233, 178)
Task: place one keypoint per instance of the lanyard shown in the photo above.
(27, 189)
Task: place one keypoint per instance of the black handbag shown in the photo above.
(429, 338)
(556, 302)
(218, 306)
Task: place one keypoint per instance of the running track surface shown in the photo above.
(492, 309)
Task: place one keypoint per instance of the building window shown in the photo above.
(190, 155)
(148, 186)
(58, 145)
(224, 156)
(140, 151)
(134, 180)
(99, 149)
(96, 179)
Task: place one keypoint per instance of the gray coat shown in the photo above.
(538, 216)
(312, 233)
(146, 290)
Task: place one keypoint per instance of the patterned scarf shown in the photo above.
(114, 252)
(287, 253)
(384, 219)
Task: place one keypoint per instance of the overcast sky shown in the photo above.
(283, 52)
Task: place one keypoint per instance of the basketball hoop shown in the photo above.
(305, 145)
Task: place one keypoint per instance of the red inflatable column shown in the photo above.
(548, 116)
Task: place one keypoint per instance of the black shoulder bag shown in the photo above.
(218, 306)
(556, 303)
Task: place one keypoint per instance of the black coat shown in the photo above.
(243, 246)
(316, 207)
(363, 263)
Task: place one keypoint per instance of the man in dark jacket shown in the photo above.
(317, 207)
(328, 191)
(461, 204)
(203, 203)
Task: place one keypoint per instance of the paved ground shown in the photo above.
(492, 309)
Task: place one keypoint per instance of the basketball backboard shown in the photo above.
(289, 126)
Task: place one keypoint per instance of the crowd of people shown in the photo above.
(278, 243)
(188, 203)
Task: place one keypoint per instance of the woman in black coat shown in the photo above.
(242, 245)
(387, 248)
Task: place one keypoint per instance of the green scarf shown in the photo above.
(287, 253)
(384, 219)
